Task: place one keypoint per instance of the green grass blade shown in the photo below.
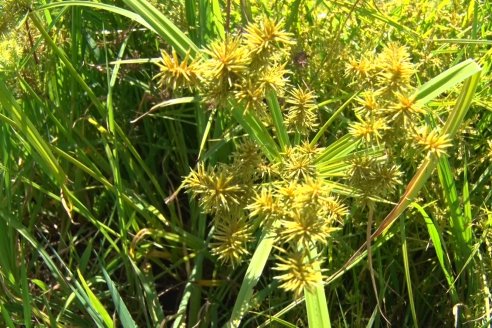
(460, 227)
(436, 237)
(26, 295)
(445, 81)
(257, 132)
(332, 118)
(7, 318)
(316, 306)
(340, 148)
(278, 120)
(126, 319)
(408, 278)
(253, 273)
(96, 303)
(164, 27)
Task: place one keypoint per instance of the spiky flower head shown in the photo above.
(296, 165)
(301, 113)
(266, 36)
(396, 68)
(404, 108)
(175, 74)
(307, 222)
(298, 271)
(432, 141)
(360, 70)
(216, 191)
(250, 95)
(228, 58)
(246, 160)
(230, 238)
(273, 78)
(370, 129)
(368, 103)
(265, 206)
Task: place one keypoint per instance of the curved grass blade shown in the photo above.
(126, 319)
(164, 27)
(252, 276)
(146, 15)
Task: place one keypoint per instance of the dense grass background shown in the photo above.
(95, 229)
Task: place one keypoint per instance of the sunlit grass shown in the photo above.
(222, 163)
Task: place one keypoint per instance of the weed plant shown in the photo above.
(245, 164)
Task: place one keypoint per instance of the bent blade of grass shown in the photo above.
(445, 81)
(252, 276)
(108, 322)
(164, 27)
(126, 319)
(436, 237)
(316, 306)
(94, 5)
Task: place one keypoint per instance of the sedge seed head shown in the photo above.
(433, 142)
(230, 238)
(297, 271)
(370, 129)
(396, 68)
(265, 206)
(216, 191)
(360, 70)
(228, 59)
(405, 107)
(175, 74)
(296, 165)
(301, 113)
(273, 78)
(368, 104)
(266, 36)
(250, 94)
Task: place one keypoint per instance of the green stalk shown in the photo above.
(316, 306)
(253, 273)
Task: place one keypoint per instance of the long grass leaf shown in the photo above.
(278, 121)
(316, 306)
(408, 278)
(164, 27)
(126, 319)
(445, 81)
(253, 273)
(257, 132)
(436, 237)
(96, 303)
